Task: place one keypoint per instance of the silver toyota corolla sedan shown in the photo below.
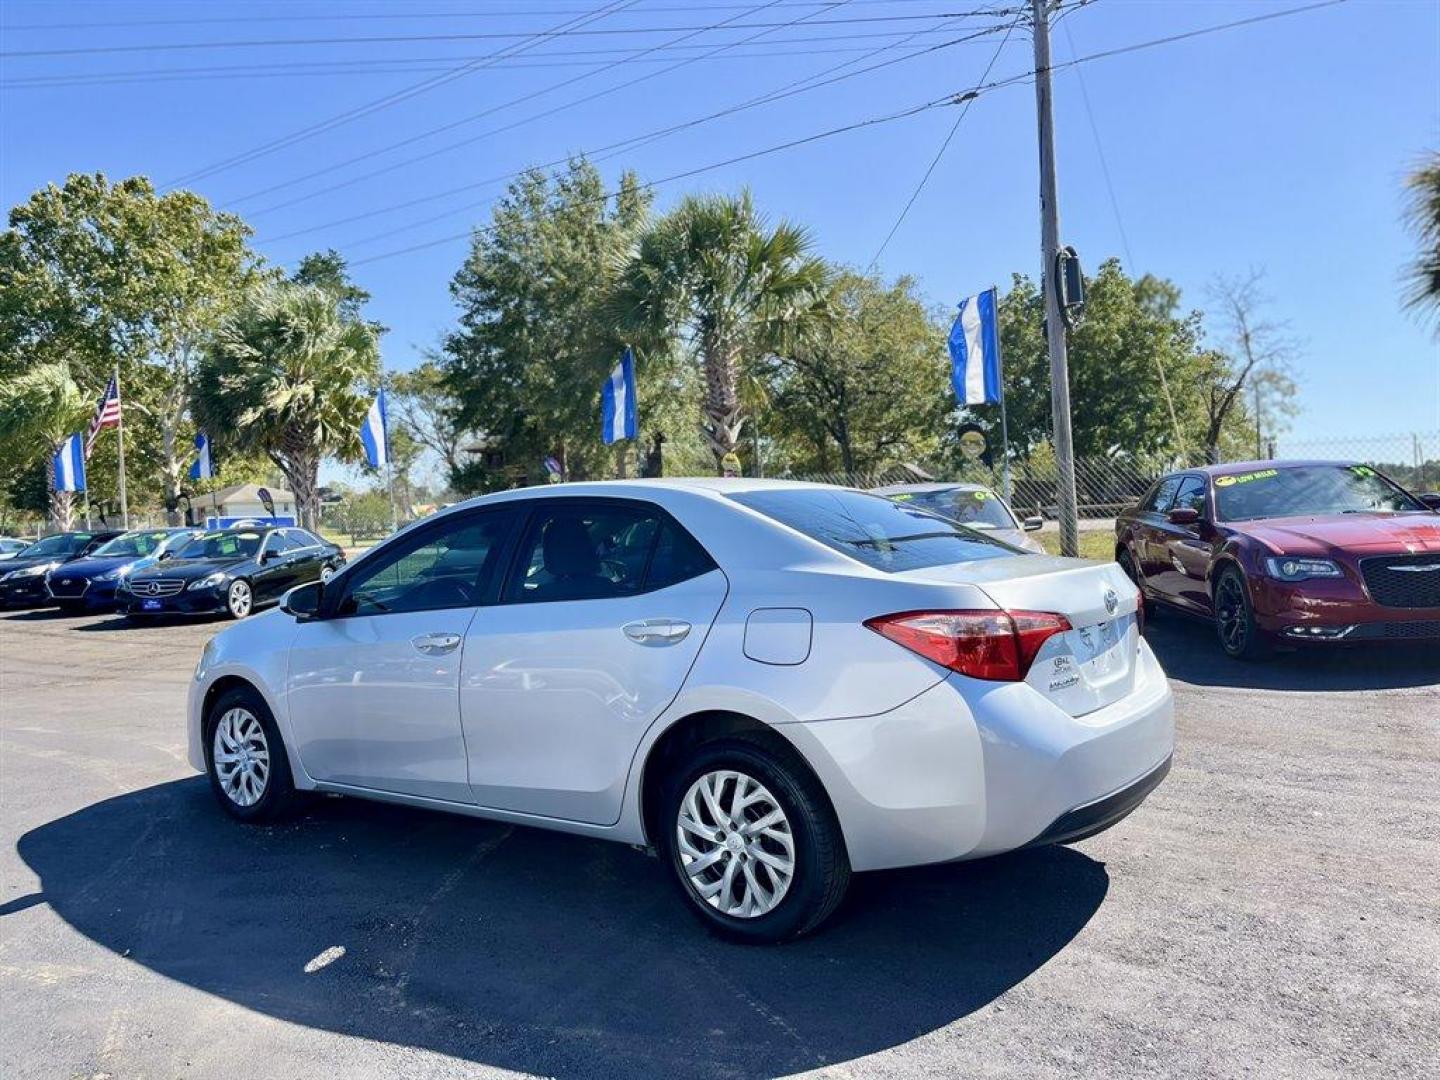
(772, 685)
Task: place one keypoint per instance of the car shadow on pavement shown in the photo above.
(535, 951)
(45, 614)
(1188, 651)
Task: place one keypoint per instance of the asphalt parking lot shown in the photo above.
(1272, 911)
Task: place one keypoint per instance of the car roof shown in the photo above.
(1230, 468)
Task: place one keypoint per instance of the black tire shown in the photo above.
(279, 799)
(1127, 564)
(822, 868)
(1235, 627)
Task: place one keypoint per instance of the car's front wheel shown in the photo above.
(752, 843)
(239, 599)
(1235, 624)
(245, 758)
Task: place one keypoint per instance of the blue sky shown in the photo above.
(1279, 146)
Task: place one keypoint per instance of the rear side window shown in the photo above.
(873, 530)
(603, 550)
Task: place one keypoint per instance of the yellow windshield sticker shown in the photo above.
(902, 496)
(1246, 478)
(980, 496)
(1362, 470)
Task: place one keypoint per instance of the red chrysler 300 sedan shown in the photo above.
(1293, 551)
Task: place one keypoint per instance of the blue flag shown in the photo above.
(975, 351)
(203, 468)
(373, 433)
(69, 465)
(617, 401)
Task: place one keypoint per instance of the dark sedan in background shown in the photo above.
(90, 583)
(1292, 551)
(22, 578)
(232, 571)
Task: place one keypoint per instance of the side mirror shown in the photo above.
(166, 554)
(269, 555)
(303, 601)
(1183, 515)
(1432, 500)
(1034, 524)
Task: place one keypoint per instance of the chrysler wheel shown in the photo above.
(242, 757)
(239, 599)
(1235, 625)
(735, 844)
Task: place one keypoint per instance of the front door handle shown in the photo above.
(656, 631)
(435, 644)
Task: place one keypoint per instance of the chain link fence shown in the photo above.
(1106, 485)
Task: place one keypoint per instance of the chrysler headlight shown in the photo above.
(29, 571)
(210, 581)
(1299, 569)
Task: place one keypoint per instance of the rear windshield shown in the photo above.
(1300, 490)
(873, 530)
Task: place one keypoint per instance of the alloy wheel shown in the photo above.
(735, 844)
(326, 573)
(242, 757)
(239, 599)
(1231, 619)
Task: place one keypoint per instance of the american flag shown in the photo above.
(107, 413)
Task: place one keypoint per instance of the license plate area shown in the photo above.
(1089, 667)
(150, 605)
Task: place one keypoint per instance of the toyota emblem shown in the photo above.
(1112, 601)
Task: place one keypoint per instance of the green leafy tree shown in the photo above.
(866, 381)
(328, 270)
(422, 401)
(1422, 276)
(288, 377)
(713, 275)
(108, 275)
(39, 409)
(535, 340)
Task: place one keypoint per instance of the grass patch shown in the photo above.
(1094, 544)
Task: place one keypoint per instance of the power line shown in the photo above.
(960, 99)
(788, 91)
(418, 15)
(925, 179)
(256, 43)
(603, 153)
(411, 139)
(387, 100)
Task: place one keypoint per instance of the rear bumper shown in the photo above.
(969, 769)
(1094, 818)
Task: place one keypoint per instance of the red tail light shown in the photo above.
(997, 645)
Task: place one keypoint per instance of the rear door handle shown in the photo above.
(435, 644)
(656, 631)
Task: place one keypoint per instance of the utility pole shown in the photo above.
(1050, 257)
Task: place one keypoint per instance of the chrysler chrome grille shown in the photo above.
(1403, 581)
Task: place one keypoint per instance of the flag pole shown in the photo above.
(389, 466)
(1004, 420)
(120, 434)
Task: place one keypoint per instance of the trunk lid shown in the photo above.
(1088, 666)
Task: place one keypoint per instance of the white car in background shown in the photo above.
(772, 684)
(974, 505)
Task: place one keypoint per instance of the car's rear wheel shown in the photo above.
(245, 758)
(752, 842)
(1235, 624)
(1127, 564)
(239, 599)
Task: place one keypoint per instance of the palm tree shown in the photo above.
(288, 376)
(713, 273)
(1423, 275)
(39, 409)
